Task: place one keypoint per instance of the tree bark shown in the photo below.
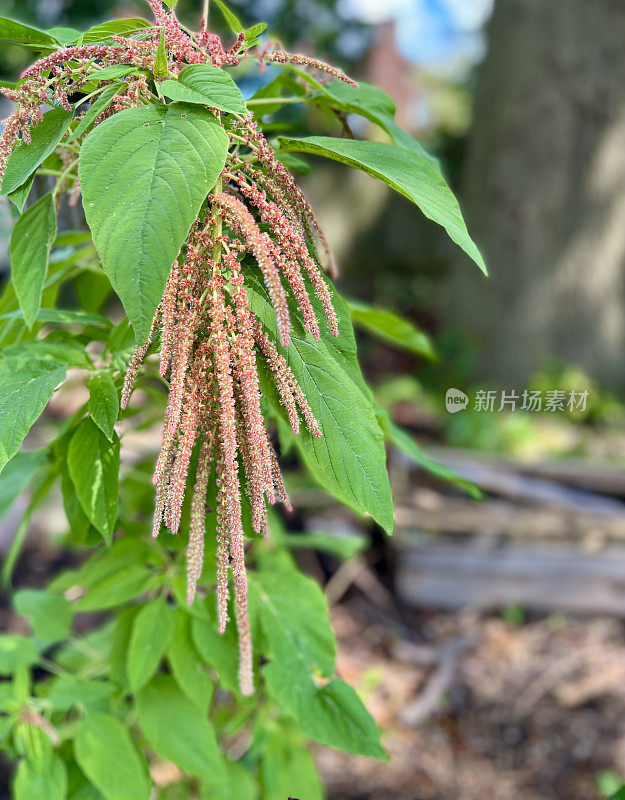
(545, 192)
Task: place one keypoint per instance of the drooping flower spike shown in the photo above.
(210, 338)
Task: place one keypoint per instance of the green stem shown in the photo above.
(62, 177)
(89, 96)
(266, 100)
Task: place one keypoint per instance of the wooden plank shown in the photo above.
(428, 511)
(586, 474)
(549, 578)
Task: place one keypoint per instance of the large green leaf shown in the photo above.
(218, 650)
(370, 102)
(349, 459)
(21, 194)
(109, 758)
(160, 69)
(186, 665)
(64, 35)
(118, 588)
(115, 27)
(151, 632)
(230, 17)
(237, 781)
(177, 730)
(296, 636)
(288, 769)
(104, 403)
(93, 464)
(293, 614)
(50, 614)
(406, 170)
(25, 158)
(37, 780)
(15, 652)
(28, 380)
(335, 715)
(31, 239)
(144, 174)
(391, 328)
(13, 31)
(207, 85)
(66, 691)
(17, 475)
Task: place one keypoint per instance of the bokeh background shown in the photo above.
(487, 636)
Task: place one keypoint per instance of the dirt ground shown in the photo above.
(482, 708)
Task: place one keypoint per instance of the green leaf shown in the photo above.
(16, 651)
(118, 588)
(104, 403)
(407, 171)
(59, 347)
(20, 195)
(402, 439)
(349, 460)
(287, 769)
(253, 33)
(293, 615)
(344, 547)
(112, 72)
(119, 649)
(77, 519)
(151, 632)
(177, 730)
(99, 104)
(28, 380)
(233, 22)
(370, 102)
(64, 35)
(50, 614)
(25, 158)
(107, 562)
(171, 3)
(89, 655)
(116, 27)
(160, 59)
(335, 715)
(392, 328)
(238, 783)
(40, 781)
(296, 635)
(31, 239)
(186, 664)
(93, 464)
(62, 316)
(12, 31)
(66, 691)
(144, 174)
(108, 757)
(17, 475)
(218, 650)
(206, 85)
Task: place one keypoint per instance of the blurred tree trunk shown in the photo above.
(545, 191)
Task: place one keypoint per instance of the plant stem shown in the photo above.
(263, 100)
(62, 177)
